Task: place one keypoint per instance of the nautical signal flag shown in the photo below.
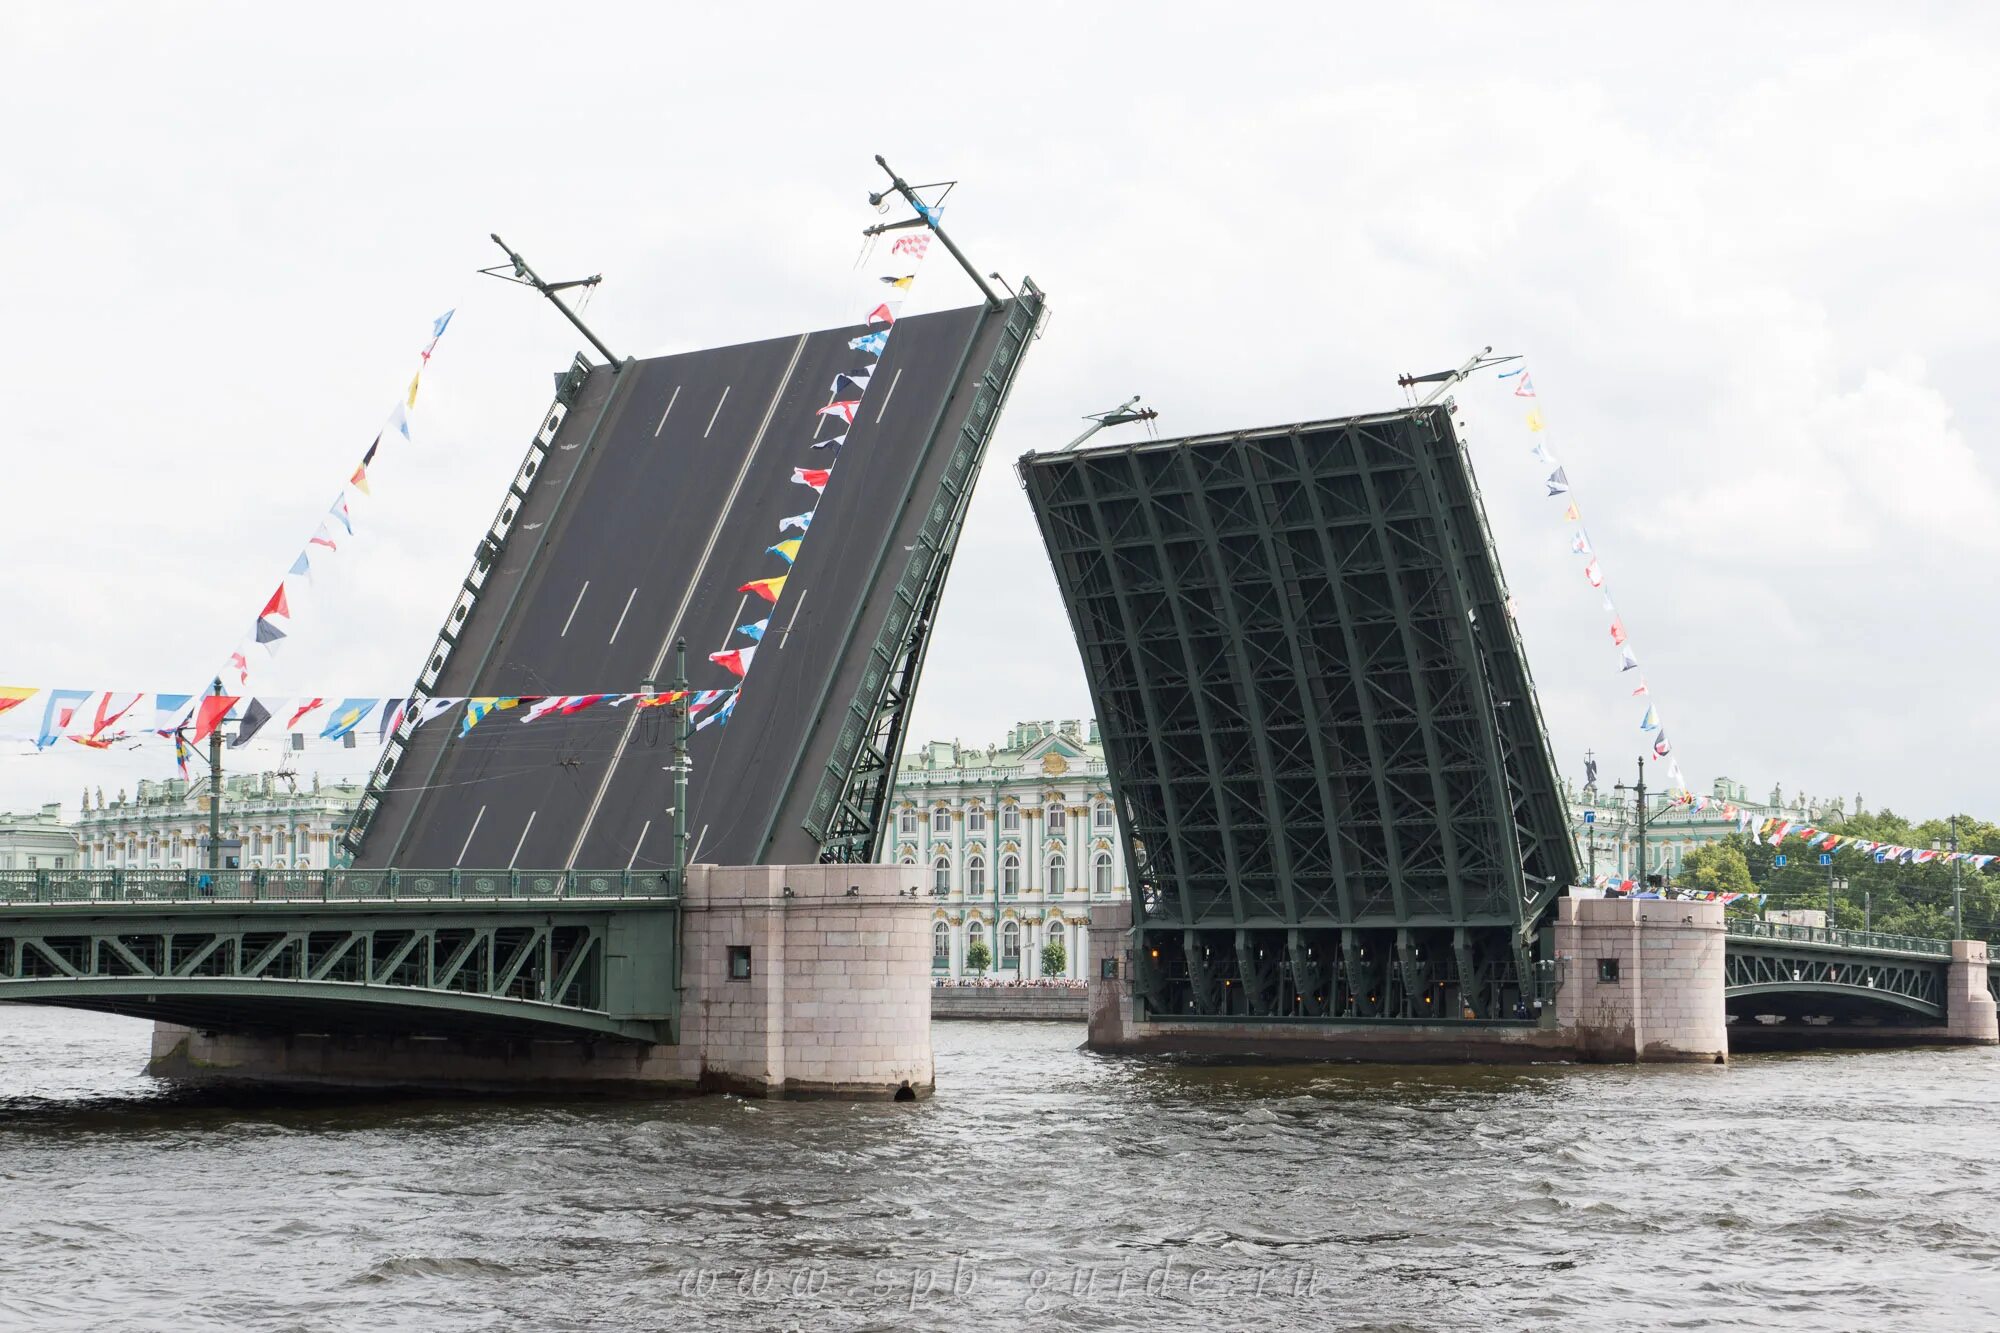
(277, 606)
(882, 314)
(844, 409)
(322, 536)
(858, 379)
(1558, 482)
(12, 695)
(833, 443)
(214, 708)
(914, 245)
(768, 589)
(1594, 574)
(305, 706)
(1534, 418)
(900, 284)
(360, 479)
(871, 343)
(1618, 632)
(339, 511)
(1526, 388)
(476, 709)
(255, 715)
(347, 715)
(814, 477)
(736, 661)
(799, 521)
(788, 551)
(755, 629)
(1573, 514)
(719, 716)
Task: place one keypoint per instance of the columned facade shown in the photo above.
(1012, 844)
(269, 822)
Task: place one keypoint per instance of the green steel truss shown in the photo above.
(576, 954)
(848, 817)
(1339, 799)
(1775, 976)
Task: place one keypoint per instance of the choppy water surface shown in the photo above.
(1043, 1186)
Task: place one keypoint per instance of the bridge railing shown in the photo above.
(48, 888)
(1871, 940)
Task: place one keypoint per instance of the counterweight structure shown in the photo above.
(1337, 790)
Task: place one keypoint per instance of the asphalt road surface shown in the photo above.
(664, 487)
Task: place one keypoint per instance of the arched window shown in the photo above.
(975, 934)
(975, 876)
(909, 857)
(1100, 873)
(1056, 935)
(941, 875)
(907, 823)
(1056, 867)
(940, 945)
(941, 822)
(1010, 875)
(1010, 944)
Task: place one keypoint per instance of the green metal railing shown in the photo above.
(48, 888)
(1868, 940)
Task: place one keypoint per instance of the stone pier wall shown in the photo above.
(837, 1003)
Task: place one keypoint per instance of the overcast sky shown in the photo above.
(1748, 251)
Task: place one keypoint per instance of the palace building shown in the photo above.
(269, 822)
(1014, 843)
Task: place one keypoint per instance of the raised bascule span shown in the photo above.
(646, 499)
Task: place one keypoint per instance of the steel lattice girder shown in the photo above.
(527, 969)
(1315, 708)
(1771, 968)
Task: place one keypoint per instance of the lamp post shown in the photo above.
(1639, 806)
(1834, 884)
(1957, 894)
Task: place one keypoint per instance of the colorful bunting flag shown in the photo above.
(1650, 722)
(901, 284)
(477, 709)
(1573, 514)
(814, 477)
(214, 708)
(871, 343)
(881, 314)
(255, 715)
(1618, 632)
(768, 589)
(301, 567)
(832, 443)
(1558, 482)
(844, 409)
(719, 716)
(736, 661)
(1526, 388)
(360, 479)
(788, 551)
(1594, 574)
(347, 714)
(755, 629)
(800, 521)
(339, 511)
(11, 696)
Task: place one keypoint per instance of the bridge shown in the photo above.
(507, 953)
(1339, 804)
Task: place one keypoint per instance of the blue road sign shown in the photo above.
(1826, 858)
(1590, 816)
(1778, 860)
(1880, 857)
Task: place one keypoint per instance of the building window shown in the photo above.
(975, 934)
(941, 876)
(909, 858)
(1010, 819)
(941, 822)
(1056, 867)
(1010, 944)
(1058, 819)
(1058, 936)
(60, 862)
(1010, 875)
(1607, 971)
(975, 876)
(975, 820)
(32, 862)
(1100, 873)
(1100, 816)
(940, 945)
(739, 962)
(907, 824)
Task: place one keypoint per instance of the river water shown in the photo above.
(1042, 1187)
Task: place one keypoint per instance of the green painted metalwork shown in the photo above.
(454, 952)
(1860, 941)
(1338, 795)
(1768, 974)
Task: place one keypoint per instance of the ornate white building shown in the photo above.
(1014, 843)
(269, 821)
(38, 841)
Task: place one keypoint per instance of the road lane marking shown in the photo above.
(734, 621)
(663, 416)
(633, 859)
(893, 380)
(468, 836)
(700, 570)
(523, 839)
(793, 621)
(718, 410)
(621, 616)
(572, 609)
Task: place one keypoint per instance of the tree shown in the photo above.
(978, 957)
(1055, 959)
(1719, 867)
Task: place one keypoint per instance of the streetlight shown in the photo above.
(1834, 884)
